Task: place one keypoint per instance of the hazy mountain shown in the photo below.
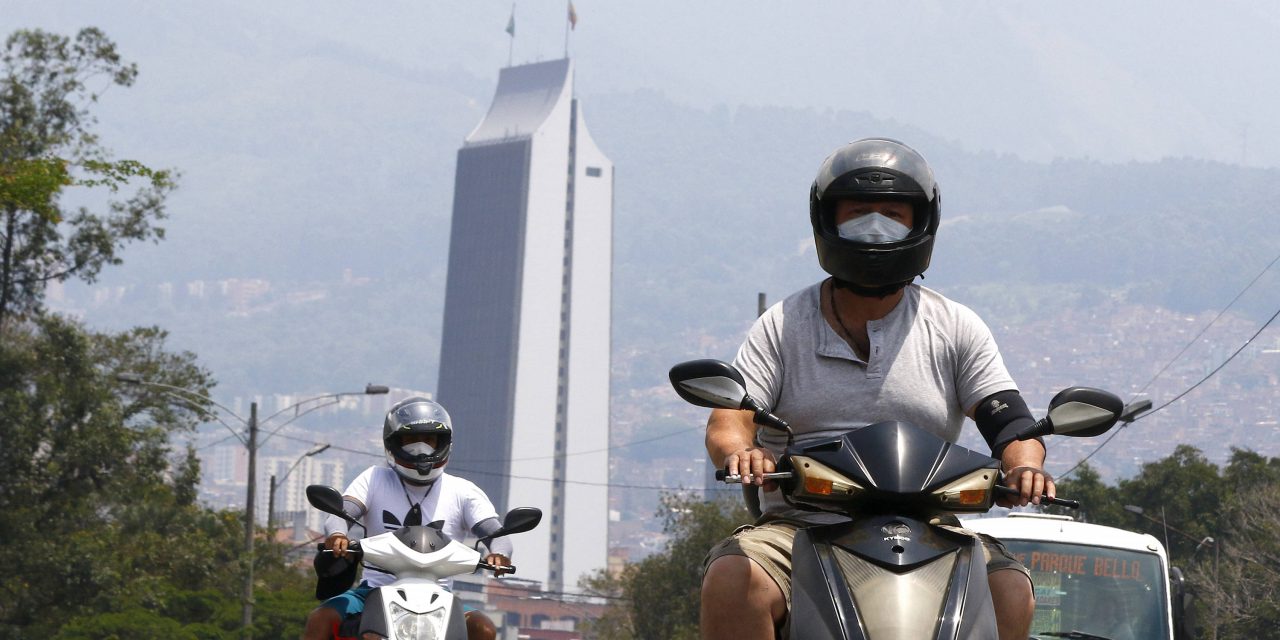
(308, 239)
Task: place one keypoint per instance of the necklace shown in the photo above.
(835, 310)
(414, 517)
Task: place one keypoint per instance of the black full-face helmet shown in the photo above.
(417, 416)
(874, 169)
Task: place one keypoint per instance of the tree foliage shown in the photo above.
(658, 597)
(47, 147)
(114, 543)
(1222, 526)
(102, 508)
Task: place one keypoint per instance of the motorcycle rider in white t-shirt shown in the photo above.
(411, 489)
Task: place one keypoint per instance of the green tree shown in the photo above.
(1238, 576)
(90, 489)
(113, 543)
(1185, 491)
(658, 597)
(47, 147)
(1222, 526)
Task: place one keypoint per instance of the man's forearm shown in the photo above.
(728, 432)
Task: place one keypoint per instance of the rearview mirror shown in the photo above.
(1084, 412)
(326, 499)
(518, 520)
(710, 383)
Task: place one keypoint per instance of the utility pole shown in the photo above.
(271, 509)
(246, 612)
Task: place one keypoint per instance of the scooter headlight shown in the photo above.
(972, 492)
(417, 626)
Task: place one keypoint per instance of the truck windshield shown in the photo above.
(1110, 593)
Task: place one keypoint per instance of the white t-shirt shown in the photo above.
(930, 360)
(387, 501)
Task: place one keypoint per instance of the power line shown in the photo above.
(609, 448)
(1196, 337)
(1175, 358)
(610, 485)
(1177, 397)
(624, 445)
(216, 442)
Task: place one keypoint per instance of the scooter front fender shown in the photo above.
(889, 578)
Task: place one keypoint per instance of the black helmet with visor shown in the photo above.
(874, 169)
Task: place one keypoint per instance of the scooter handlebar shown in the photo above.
(1060, 502)
(733, 478)
(506, 569)
(353, 549)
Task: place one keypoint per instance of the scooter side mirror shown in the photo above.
(518, 520)
(326, 499)
(712, 384)
(1081, 412)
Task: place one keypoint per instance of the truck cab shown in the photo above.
(1100, 582)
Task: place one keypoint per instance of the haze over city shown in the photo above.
(1126, 154)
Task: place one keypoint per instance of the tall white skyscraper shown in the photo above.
(524, 364)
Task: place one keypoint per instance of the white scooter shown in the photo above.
(416, 606)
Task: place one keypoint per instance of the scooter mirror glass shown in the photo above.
(520, 519)
(517, 520)
(710, 383)
(326, 499)
(1084, 412)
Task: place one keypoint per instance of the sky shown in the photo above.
(1039, 79)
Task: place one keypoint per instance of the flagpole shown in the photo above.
(568, 7)
(511, 29)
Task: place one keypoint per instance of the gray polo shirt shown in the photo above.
(930, 360)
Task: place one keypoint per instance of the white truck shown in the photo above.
(1091, 581)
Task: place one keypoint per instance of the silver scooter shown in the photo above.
(885, 570)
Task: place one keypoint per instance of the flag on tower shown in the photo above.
(511, 23)
(573, 16)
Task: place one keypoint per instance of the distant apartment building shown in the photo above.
(290, 490)
(524, 361)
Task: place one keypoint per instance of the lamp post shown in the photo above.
(1216, 596)
(271, 495)
(251, 444)
(1135, 509)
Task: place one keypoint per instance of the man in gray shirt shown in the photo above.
(864, 346)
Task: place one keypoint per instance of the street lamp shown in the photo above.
(1135, 509)
(251, 444)
(271, 495)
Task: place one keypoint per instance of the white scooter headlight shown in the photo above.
(408, 625)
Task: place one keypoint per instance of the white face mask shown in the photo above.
(419, 449)
(872, 228)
